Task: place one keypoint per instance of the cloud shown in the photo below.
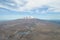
(40, 6)
(55, 4)
(28, 17)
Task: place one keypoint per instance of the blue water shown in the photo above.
(56, 21)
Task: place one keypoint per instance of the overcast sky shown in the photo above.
(42, 9)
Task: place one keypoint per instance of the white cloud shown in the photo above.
(35, 3)
(28, 5)
(28, 17)
(55, 4)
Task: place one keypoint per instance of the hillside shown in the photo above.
(29, 29)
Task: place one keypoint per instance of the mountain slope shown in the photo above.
(29, 29)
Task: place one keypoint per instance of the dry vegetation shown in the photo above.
(29, 30)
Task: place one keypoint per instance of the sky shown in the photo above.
(42, 9)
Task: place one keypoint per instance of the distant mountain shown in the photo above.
(29, 29)
(29, 23)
